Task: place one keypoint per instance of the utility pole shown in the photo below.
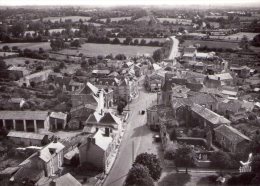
(133, 151)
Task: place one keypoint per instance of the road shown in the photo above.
(174, 50)
(136, 133)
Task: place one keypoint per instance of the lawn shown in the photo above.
(32, 46)
(116, 19)
(212, 44)
(93, 49)
(73, 18)
(174, 20)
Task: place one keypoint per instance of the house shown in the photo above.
(100, 73)
(205, 99)
(64, 180)
(44, 163)
(18, 72)
(140, 69)
(189, 53)
(74, 85)
(35, 78)
(27, 138)
(153, 82)
(58, 120)
(241, 71)
(230, 138)
(97, 150)
(28, 121)
(202, 116)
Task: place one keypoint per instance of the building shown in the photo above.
(35, 78)
(230, 138)
(46, 162)
(153, 82)
(97, 150)
(58, 120)
(27, 138)
(100, 73)
(64, 180)
(204, 117)
(28, 121)
(18, 72)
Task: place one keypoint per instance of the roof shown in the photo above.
(203, 98)
(66, 180)
(224, 76)
(100, 72)
(228, 92)
(32, 174)
(231, 133)
(27, 135)
(209, 115)
(58, 115)
(24, 115)
(69, 155)
(9, 171)
(45, 153)
(16, 100)
(101, 140)
(31, 76)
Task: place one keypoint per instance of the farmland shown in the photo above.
(116, 19)
(92, 49)
(147, 39)
(73, 18)
(20, 61)
(212, 44)
(175, 21)
(32, 46)
(237, 36)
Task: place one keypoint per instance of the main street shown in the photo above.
(175, 48)
(137, 139)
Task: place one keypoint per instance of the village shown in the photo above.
(68, 116)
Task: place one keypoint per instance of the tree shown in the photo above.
(120, 57)
(151, 162)
(75, 43)
(6, 48)
(220, 160)
(255, 143)
(173, 135)
(39, 68)
(183, 157)
(116, 41)
(128, 40)
(120, 107)
(18, 29)
(136, 42)
(256, 41)
(3, 65)
(158, 55)
(244, 43)
(143, 42)
(256, 163)
(138, 175)
(57, 44)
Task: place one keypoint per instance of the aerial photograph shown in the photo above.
(130, 93)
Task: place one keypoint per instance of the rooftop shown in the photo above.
(27, 135)
(58, 115)
(45, 153)
(23, 115)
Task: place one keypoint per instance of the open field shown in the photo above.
(95, 24)
(73, 18)
(147, 39)
(237, 36)
(20, 61)
(212, 44)
(93, 49)
(175, 20)
(32, 46)
(116, 19)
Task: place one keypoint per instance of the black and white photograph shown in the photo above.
(129, 93)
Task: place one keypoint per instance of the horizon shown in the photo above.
(107, 3)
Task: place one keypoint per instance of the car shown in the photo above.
(157, 138)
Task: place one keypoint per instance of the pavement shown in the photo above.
(175, 48)
(137, 139)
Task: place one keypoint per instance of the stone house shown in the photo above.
(230, 138)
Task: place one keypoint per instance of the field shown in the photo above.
(116, 19)
(174, 20)
(92, 49)
(7, 54)
(237, 36)
(20, 61)
(73, 18)
(212, 44)
(216, 16)
(147, 39)
(95, 24)
(32, 46)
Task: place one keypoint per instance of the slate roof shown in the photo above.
(202, 98)
(24, 115)
(231, 134)
(58, 115)
(45, 153)
(32, 174)
(209, 115)
(26, 135)
(66, 180)
(102, 141)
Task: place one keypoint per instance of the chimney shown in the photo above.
(107, 132)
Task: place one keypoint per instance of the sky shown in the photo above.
(125, 2)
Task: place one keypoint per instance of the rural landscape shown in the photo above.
(123, 94)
